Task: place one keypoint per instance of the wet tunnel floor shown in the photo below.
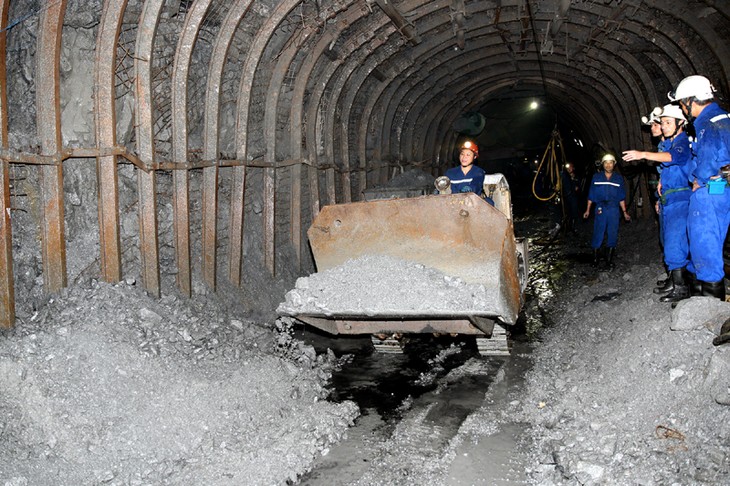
(445, 375)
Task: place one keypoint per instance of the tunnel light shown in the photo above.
(534, 105)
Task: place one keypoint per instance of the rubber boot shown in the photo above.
(664, 286)
(609, 258)
(695, 286)
(714, 289)
(595, 258)
(680, 290)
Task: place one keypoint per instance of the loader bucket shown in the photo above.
(458, 234)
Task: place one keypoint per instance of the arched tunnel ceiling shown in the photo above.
(318, 99)
(352, 84)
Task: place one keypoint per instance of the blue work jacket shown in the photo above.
(711, 149)
(607, 193)
(472, 181)
(675, 172)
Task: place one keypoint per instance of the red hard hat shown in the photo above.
(469, 145)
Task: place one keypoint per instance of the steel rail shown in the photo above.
(105, 124)
(180, 180)
(211, 125)
(146, 181)
(7, 289)
(250, 67)
(48, 116)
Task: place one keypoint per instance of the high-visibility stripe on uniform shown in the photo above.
(606, 184)
(460, 181)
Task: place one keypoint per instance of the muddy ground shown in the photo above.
(104, 385)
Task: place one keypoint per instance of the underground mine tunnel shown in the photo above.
(185, 143)
(184, 147)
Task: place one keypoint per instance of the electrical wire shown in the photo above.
(552, 166)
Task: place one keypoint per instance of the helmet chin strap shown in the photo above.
(690, 118)
(678, 124)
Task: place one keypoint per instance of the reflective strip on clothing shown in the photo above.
(460, 181)
(717, 118)
(607, 184)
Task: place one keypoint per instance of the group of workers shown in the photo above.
(694, 198)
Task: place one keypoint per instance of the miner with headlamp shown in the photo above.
(674, 194)
(709, 204)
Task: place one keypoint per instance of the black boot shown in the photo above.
(609, 258)
(714, 289)
(595, 258)
(695, 286)
(680, 290)
(664, 286)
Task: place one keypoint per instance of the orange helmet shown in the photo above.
(469, 145)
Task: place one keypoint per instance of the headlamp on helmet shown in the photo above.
(469, 145)
(652, 117)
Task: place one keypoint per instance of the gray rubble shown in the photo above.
(379, 284)
(105, 385)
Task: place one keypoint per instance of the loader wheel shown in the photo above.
(498, 345)
(388, 343)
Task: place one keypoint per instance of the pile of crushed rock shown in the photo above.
(105, 385)
(376, 284)
(624, 389)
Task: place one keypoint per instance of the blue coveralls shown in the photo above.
(606, 195)
(675, 202)
(709, 214)
(662, 146)
(472, 181)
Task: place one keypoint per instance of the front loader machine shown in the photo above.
(459, 238)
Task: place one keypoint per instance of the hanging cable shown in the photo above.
(551, 165)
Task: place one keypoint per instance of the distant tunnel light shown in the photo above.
(534, 105)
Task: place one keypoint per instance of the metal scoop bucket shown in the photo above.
(460, 235)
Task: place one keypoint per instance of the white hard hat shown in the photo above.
(672, 111)
(652, 117)
(698, 87)
(608, 157)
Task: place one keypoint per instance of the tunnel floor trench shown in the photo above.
(414, 404)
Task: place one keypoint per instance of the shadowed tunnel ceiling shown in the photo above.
(333, 93)
(345, 83)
